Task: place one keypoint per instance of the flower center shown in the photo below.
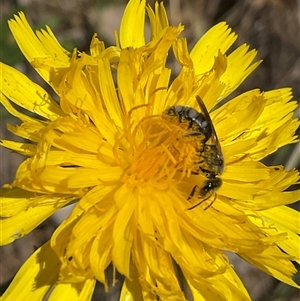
(157, 152)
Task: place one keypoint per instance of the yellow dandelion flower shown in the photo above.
(161, 187)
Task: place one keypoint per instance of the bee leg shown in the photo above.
(210, 204)
(194, 133)
(192, 194)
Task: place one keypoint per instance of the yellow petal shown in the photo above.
(244, 192)
(81, 291)
(58, 241)
(27, 130)
(43, 44)
(275, 199)
(26, 118)
(235, 150)
(63, 179)
(281, 220)
(21, 90)
(99, 225)
(156, 270)
(108, 91)
(239, 66)
(211, 87)
(101, 253)
(21, 222)
(284, 216)
(218, 38)
(14, 201)
(36, 276)
(274, 262)
(25, 149)
(131, 289)
(223, 287)
(127, 69)
(123, 232)
(252, 172)
(132, 24)
(275, 127)
(242, 111)
(158, 19)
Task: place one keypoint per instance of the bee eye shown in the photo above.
(204, 123)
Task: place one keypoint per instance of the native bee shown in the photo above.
(210, 160)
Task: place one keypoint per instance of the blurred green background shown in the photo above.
(270, 26)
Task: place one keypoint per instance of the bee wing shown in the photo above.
(214, 134)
